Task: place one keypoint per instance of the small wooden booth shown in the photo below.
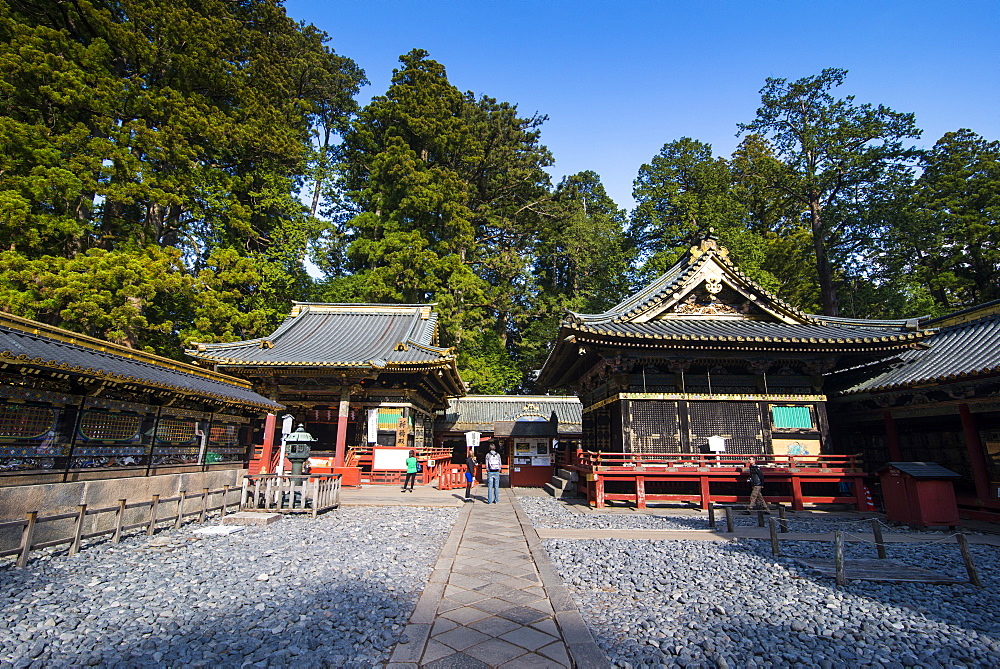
(919, 493)
(528, 430)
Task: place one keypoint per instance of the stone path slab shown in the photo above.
(495, 600)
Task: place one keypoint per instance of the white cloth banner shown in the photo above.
(471, 439)
(373, 426)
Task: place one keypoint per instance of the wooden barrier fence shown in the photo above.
(32, 520)
(287, 493)
(635, 470)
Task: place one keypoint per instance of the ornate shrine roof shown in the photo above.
(960, 351)
(705, 302)
(28, 343)
(397, 337)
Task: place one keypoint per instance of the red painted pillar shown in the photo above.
(640, 492)
(267, 448)
(977, 460)
(706, 496)
(345, 408)
(892, 437)
(797, 504)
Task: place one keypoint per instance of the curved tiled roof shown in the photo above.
(480, 412)
(339, 335)
(38, 345)
(957, 352)
(696, 329)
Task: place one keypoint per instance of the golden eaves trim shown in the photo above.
(121, 378)
(31, 327)
(889, 338)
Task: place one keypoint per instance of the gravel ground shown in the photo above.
(549, 512)
(335, 591)
(710, 604)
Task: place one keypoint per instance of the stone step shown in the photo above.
(558, 492)
(562, 483)
(568, 474)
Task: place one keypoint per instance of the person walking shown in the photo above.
(470, 474)
(756, 487)
(493, 466)
(411, 471)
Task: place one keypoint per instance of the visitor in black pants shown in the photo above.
(411, 471)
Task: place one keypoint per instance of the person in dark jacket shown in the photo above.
(470, 474)
(756, 486)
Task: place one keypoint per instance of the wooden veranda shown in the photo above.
(626, 477)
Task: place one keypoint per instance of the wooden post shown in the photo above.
(729, 520)
(977, 455)
(81, 514)
(343, 413)
(27, 538)
(204, 505)
(797, 504)
(640, 492)
(599, 491)
(711, 515)
(879, 542)
(705, 491)
(180, 510)
(963, 545)
(782, 521)
(760, 519)
(773, 526)
(891, 437)
(119, 521)
(225, 501)
(838, 557)
(152, 516)
(316, 499)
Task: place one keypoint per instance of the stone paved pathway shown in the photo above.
(495, 600)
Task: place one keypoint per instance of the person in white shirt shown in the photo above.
(493, 466)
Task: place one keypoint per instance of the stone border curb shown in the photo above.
(583, 650)
(418, 628)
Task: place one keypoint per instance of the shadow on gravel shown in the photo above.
(688, 602)
(280, 626)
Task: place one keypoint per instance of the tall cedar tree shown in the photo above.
(448, 192)
(948, 239)
(836, 153)
(136, 127)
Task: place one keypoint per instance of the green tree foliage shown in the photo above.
(583, 261)
(946, 239)
(839, 158)
(448, 192)
(138, 124)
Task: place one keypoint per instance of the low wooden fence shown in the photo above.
(150, 521)
(287, 493)
(635, 470)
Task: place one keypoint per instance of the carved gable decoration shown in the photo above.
(717, 291)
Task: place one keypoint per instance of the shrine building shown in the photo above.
(76, 408)
(936, 404)
(357, 376)
(704, 356)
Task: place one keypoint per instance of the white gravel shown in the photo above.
(730, 604)
(331, 592)
(551, 513)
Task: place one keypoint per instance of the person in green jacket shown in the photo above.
(411, 471)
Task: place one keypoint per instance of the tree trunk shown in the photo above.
(828, 291)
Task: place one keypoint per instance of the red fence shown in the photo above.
(633, 471)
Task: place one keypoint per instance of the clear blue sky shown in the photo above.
(620, 79)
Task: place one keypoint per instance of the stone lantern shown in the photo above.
(297, 448)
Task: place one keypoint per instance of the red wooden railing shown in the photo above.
(635, 470)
